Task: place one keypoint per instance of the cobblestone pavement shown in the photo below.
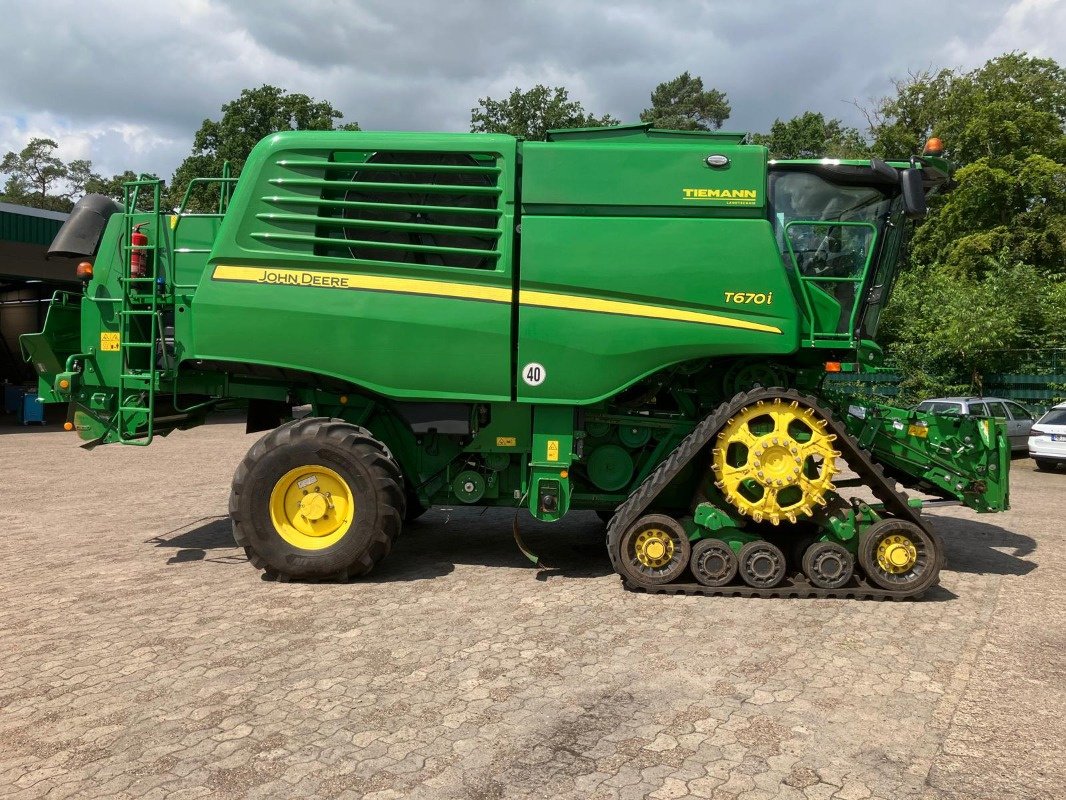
(141, 656)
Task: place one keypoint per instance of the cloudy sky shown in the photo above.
(126, 84)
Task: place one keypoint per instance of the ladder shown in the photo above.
(140, 309)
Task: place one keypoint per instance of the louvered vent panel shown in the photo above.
(440, 209)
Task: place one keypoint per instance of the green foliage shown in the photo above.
(1054, 301)
(988, 266)
(254, 115)
(1002, 209)
(533, 113)
(682, 104)
(900, 124)
(114, 187)
(811, 135)
(1014, 106)
(947, 331)
(37, 177)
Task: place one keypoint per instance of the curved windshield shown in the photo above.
(822, 250)
(826, 233)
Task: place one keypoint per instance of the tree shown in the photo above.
(811, 135)
(683, 104)
(533, 113)
(38, 177)
(114, 187)
(1013, 105)
(988, 266)
(1002, 209)
(257, 113)
(899, 125)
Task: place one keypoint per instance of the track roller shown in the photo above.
(828, 565)
(713, 562)
(655, 549)
(761, 564)
(896, 554)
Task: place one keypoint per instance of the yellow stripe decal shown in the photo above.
(471, 291)
(577, 303)
(349, 280)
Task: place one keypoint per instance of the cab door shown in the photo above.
(998, 410)
(1021, 423)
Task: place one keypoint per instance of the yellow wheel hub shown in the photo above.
(896, 554)
(654, 548)
(775, 460)
(312, 507)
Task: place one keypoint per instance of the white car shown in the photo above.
(1047, 439)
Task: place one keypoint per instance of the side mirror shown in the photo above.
(914, 206)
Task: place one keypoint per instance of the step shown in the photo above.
(138, 382)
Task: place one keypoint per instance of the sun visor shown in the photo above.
(80, 235)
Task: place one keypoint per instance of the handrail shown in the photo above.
(859, 278)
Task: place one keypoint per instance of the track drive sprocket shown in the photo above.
(775, 460)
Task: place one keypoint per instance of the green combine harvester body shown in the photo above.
(611, 319)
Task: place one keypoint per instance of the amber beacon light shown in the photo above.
(933, 147)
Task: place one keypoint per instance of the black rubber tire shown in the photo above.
(633, 569)
(1045, 464)
(926, 569)
(713, 563)
(355, 455)
(828, 565)
(761, 564)
(605, 514)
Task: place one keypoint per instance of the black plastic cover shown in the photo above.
(914, 205)
(80, 235)
(446, 418)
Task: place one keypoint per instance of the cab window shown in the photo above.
(940, 407)
(997, 410)
(1017, 412)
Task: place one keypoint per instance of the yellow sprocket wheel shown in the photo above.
(775, 460)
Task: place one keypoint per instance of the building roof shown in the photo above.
(25, 234)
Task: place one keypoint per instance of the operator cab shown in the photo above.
(838, 231)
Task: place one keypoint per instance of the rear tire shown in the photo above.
(328, 452)
(1045, 464)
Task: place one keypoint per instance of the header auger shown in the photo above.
(625, 320)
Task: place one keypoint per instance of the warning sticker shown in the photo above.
(506, 441)
(109, 341)
(553, 449)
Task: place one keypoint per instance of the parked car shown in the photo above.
(1019, 420)
(1047, 441)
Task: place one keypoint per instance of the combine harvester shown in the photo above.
(627, 320)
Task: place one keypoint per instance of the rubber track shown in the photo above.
(858, 460)
(796, 588)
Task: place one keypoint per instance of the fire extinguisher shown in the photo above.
(138, 253)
